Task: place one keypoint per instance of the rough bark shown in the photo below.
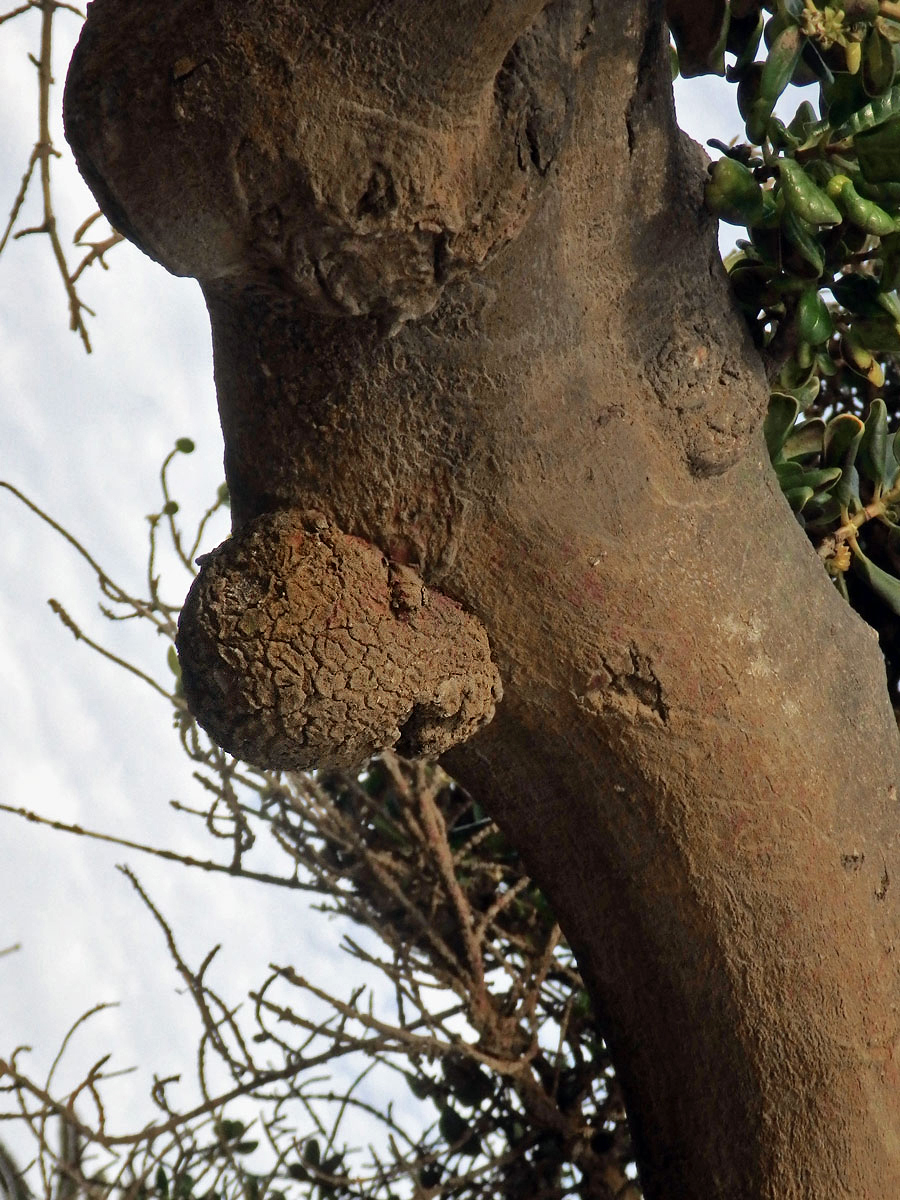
(467, 308)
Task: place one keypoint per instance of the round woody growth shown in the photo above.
(301, 646)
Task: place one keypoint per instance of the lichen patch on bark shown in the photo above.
(302, 646)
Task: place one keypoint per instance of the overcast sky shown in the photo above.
(80, 740)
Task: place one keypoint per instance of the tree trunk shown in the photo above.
(491, 422)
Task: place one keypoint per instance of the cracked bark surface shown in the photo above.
(466, 306)
(302, 647)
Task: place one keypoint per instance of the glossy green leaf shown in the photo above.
(859, 210)
(878, 333)
(789, 474)
(877, 63)
(875, 457)
(780, 417)
(774, 78)
(820, 480)
(841, 443)
(846, 491)
(748, 89)
(822, 512)
(804, 393)
(885, 586)
(869, 116)
(814, 323)
(801, 237)
(797, 498)
(878, 151)
(825, 364)
(858, 293)
(805, 197)
(804, 439)
(889, 302)
(732, 193)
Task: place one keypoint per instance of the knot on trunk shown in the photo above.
(302, 646)
(266, 143)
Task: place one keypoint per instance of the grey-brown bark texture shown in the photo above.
(474, 345)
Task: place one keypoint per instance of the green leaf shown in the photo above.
(776, 74)
(170, 508)
(805, 197)
(860, 360)
(814, 323)
(841, 440)
(842, 437)
(885, 586)
(420, 1086)
(878, 333)
(744, 36)
(699, 28)
(789, 474)
(804, 241)
(312, 1152)
(803, 120)
(822, 512)
(876, 457)
(797, 498)
(878, 151)
(804, 391)
(231, 1129)
(452, 1125)
(868, 116)
(878, 67)
(780, 417)
(858, 293)
(161, 1182)
(825, 364)
(175, 668)
(821, 480)
(805, 439)
(890, 303)
(185, 445)
(732, 193)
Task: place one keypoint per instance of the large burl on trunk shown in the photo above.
(491, 426)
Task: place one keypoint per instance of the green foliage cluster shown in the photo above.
(817, 275)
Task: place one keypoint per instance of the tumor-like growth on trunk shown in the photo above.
(303, 646)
